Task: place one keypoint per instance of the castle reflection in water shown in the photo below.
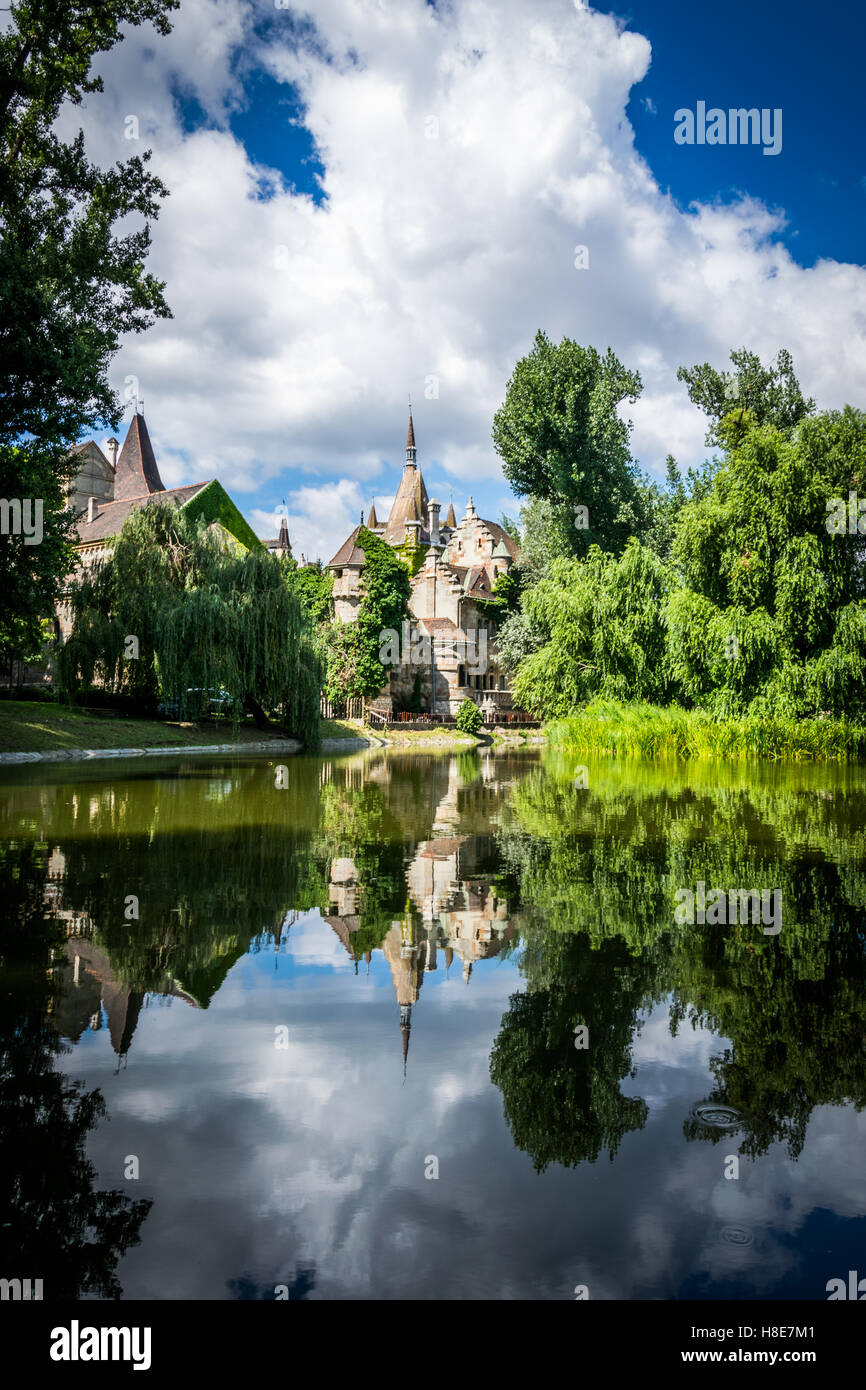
(454, 907)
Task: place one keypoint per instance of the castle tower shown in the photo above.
(137, 472)
(411, 507)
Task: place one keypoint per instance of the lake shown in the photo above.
(433, 1026)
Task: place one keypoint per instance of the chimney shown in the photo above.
(92, 509)
(112, 446)
(433, 506)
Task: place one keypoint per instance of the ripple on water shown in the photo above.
(716, 1116)
(736, 1235)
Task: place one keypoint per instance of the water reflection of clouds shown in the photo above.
(263, 1161)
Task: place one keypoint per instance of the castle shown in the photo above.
(445, 654)
(454, 567)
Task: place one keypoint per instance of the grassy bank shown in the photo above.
(28, 726)
(343, 728)
(650, 731)
(439, 735)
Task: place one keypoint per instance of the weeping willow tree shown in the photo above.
(171, 610)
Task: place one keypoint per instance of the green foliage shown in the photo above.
(735, 594)
(354, 668)
(507, 588)
(469, 717)
(561, 440)
(32, 576)
(204, 617)
(214, 504)
(770, 394)
(651, 731)
(412, 556)
(602, 620)
(313, 586)
(71, 290)
(771, 612)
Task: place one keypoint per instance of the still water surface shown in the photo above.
(337, 989)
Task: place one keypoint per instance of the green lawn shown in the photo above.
(27, 726)
(439, 734)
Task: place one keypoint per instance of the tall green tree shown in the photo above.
(770, 393)
(562, 440)
(72, 277)
(772, 610)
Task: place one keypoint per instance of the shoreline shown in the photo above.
(289, 746)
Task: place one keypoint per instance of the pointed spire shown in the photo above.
(283, 542)
(137, 472)
(411, 451)
(450, 518)
(405, 1029)
(372, 520)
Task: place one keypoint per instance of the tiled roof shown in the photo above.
(111, 515)
(349, 553)
(410, 504)
(503, 537)
(437, 625)
(136, 468)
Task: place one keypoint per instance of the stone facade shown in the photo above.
(94, 476)
(450, 643)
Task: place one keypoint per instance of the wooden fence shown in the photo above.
(349, 709)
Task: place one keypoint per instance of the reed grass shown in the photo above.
(652, 731)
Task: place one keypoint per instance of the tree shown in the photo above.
(469, 717)
(202, 616)
(602, 624)
(354, 668)
(70, 288)
(562, 440)
(772, 394)
(772, 612)
(313, 586)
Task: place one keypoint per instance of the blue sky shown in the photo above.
(381, 199)
(808, 62)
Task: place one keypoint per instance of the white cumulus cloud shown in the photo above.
(467, 149)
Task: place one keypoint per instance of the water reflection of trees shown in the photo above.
(416, 855)
(598, 869)
(56, 1226)
(221, 858)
